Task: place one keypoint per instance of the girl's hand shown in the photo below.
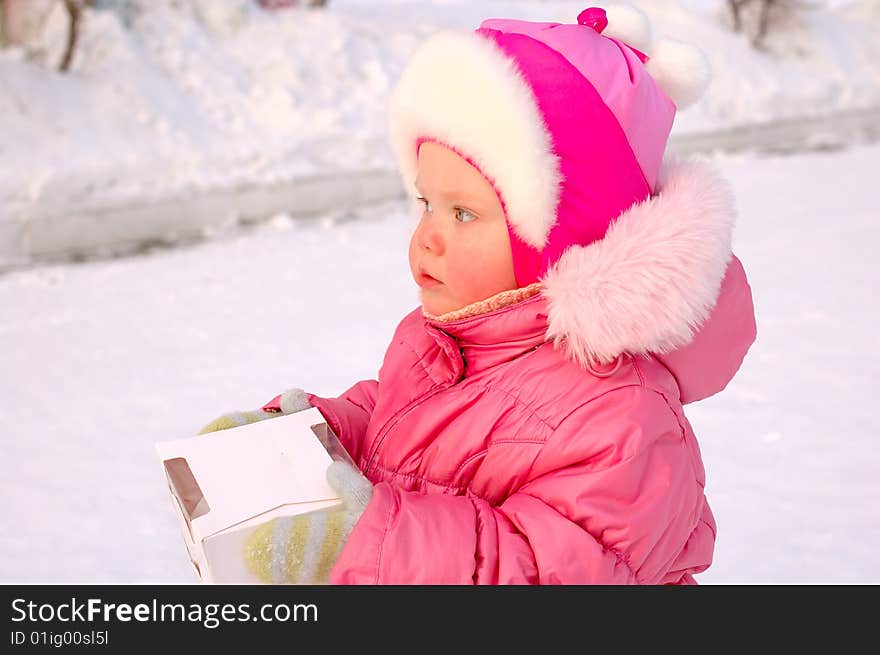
(302, 549)
(289, 402)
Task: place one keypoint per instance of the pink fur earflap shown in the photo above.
(654, 277)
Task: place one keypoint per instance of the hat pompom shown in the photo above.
(682, 71)
(630, 25)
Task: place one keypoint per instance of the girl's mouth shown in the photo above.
(424, 280)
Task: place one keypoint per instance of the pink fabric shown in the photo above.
(495, 460)
(273, 405)
(642, 109)
(601, 177)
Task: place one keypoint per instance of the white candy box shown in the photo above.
(226, 484)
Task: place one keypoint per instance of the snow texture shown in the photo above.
(102, 359)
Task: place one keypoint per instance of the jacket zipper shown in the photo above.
(397, 416)
(395, 419)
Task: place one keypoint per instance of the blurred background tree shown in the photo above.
(74, 12)
(756, 18)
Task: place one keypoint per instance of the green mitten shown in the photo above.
(289, 402)
(302, 549)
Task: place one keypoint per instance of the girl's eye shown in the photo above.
(462, 215)
(464, 212)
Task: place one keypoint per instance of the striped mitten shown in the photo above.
(289, 402)
(302, 549)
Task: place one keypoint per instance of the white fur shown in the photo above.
(628, 24)
(655, 276)
(460, 89)
(682, 71)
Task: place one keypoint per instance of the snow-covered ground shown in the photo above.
(103, 359)
(168, 112)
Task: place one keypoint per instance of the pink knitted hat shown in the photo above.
(569, 122)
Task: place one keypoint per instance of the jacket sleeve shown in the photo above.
(612, 505)
(349, 414)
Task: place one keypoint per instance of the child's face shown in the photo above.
(461, 240)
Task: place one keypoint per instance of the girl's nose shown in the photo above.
(429, 237)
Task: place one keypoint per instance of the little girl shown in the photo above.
(577, 288)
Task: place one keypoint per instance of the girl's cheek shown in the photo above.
(459, 263)
(468, 275)
(412, 248)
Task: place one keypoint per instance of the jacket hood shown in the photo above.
(655, 275)
(663, 281)
(652, 283)
(706, 364)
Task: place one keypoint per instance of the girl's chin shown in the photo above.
(433, 305)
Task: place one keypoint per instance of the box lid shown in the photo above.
(226, 477)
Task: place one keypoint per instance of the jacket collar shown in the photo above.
(507, 326)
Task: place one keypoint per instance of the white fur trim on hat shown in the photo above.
(461, 89)
(655, 276)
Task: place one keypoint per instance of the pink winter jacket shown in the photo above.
(498, 459)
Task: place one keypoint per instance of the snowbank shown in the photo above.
(188, 117)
